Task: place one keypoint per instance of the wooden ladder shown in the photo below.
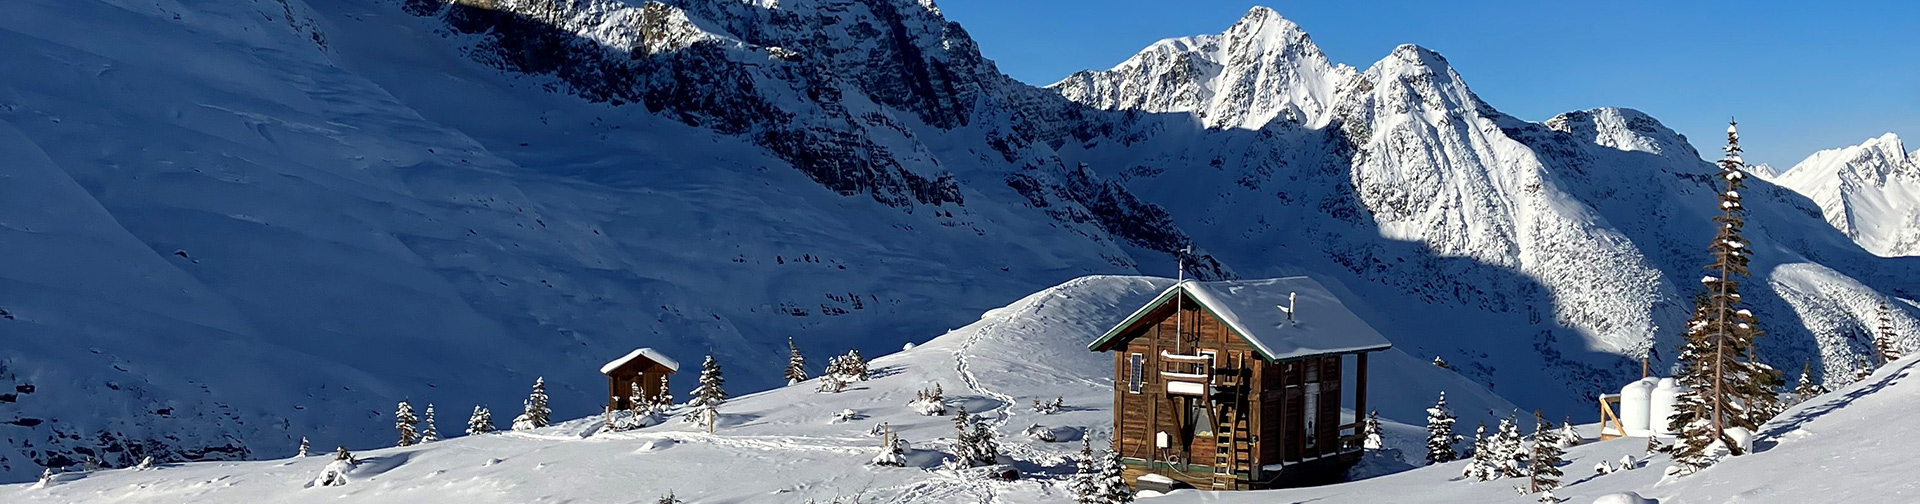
(1233, 451)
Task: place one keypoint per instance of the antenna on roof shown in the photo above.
(1182, 261)
(1289, 307)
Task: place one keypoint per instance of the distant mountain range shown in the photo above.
(232, 225)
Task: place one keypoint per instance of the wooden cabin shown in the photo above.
(1239, 384)
(645, 366)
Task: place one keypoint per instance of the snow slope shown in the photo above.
(233, 224)
(781, 445)
(1870, 192)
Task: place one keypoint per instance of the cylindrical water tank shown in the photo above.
(1634, 404)
(1666, 398)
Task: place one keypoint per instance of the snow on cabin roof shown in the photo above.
(1252, 309)
(649, 353)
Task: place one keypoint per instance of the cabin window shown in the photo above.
(1136, 366)
(1203, 367)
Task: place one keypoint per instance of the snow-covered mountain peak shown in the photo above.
(1624, 129)
(1415, 72)
(1262, 68)
(1869, 191)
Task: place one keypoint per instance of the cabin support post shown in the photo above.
(1360, 390)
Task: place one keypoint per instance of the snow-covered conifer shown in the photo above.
(1726, 385)
(1113, 487)
(1884, 340)
(145, 463)
(1481, 466)
(534, 412)
(1808, 388)
(404, 421)
(481, 422)
(303, 447)
(1567, 436)
(973, 445)
(892, 450)
(1543, 468)
(669, 499)
(831, 384)
(46, 478)
(341, 453)
(1440, 436)
(1371, 431)
(708, 396)
(428, 432)
(1085, 484)
(796, 364)
(853, 367)
(1440, 363)
(929, 403)
(1507, 449)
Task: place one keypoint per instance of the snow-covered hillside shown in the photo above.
(785, 445)
(233, 224)
(1870, 192)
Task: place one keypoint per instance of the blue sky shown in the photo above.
(1800, 76)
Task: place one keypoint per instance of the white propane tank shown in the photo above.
(1666, 398)
(1634, 403)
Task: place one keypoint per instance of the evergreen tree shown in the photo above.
(404, 421)
(1113, 487)
(1510, 449)
(1543, 471)
(669, 499)
(796, 365)
(1567, 436)
(303, 447)
(1725, 385)
(1883, 338)
(637, 400)
(1440, 436)
(534, 412)
(342, 454)
(481, 422)
(965, 454)
(1480, 467)
(986, 451)
(853, 366)
(428, 432)
(1370, 431)
(1807, 388)
(708, 396)
(1086, 476)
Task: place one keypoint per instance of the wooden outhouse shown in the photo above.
(645, 366)
(1239, 384)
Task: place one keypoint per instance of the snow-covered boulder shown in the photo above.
(1624, 498)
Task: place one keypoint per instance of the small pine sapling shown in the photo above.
(1371, 432)
(1085, 484)
(708, 396)
(534, 412)
(1440, 436)
(1543, 470)
(1113, 487)
(303, 448)
(428, 432)
(796, 364)
(404, 421)
(481, 422)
